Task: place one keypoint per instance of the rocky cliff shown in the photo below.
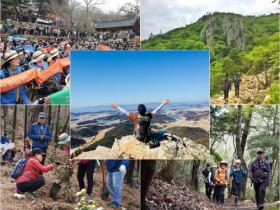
(228, 29)
(128, 147)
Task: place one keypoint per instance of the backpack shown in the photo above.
(18, 168)
(144, 125)
(236, 80)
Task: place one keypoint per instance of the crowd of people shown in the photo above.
(218, 178)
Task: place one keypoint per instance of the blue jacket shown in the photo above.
(40, 68)
(237, 175)
(4, 139)
(34, 132)
(10, 96)
(114, 165)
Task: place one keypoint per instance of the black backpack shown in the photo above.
(144, 125)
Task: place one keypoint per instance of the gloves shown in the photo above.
(122, 169)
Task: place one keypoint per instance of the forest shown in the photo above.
(245, 44)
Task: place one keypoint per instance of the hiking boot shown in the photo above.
(115, 205)
(260, 207)
(235, 200)
(110, 203)
(88, 197)
(30, 196)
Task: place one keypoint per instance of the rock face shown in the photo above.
(230, 27)
(129, 148)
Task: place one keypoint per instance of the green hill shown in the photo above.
(245, 44)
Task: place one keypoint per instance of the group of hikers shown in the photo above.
(227, 85)
(34, 166)
(218, 177)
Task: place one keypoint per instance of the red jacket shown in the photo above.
(32, 170)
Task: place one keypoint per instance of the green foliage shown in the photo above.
(274, 91)
(130, 10)
(216, 157)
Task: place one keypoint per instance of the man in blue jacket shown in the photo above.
(5, 138)
(40, 134)
(116, 171)
(237, 173)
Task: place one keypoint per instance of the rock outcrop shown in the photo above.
(129, 148)
(230, 27)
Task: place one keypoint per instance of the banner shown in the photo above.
(64, 43)
(64, 61)
(43, 75)
(17, 80)
(103, 47)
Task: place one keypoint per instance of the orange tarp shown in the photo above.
(17, 80)
(103, 47)
(64, 61)
(48, 72)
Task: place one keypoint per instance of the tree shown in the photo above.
(89, 7)
(195, 172)
(130, 10)
(14, 123)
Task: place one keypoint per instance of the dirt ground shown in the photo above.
(66, 199)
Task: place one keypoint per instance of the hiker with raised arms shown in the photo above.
(237, 173)
(10, 67)
(40, 133)
(260, 175)
(31, 180)
(222, 180)
(142, 121)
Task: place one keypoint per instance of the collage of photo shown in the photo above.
(171, 105)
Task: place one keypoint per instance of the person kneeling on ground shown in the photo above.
(141, 120)
(30, 180)
(116, 172)
(222, 180)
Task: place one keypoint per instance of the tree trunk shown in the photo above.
(50, 115)
(246, 129)
(147, 172)
(57, 123)
(129, 173)
(195, 169)
(5, 115)
(14, 123)
(25, 122)
(65, 126)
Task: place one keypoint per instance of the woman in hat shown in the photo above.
(54, 57)
(30, 180)
(39, 63)
(237, 173)
(64, 140)
(10, 67)
(221, 180)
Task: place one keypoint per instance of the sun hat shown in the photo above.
(54, 53)
(9, 55)
(37, 56)
(223, 163)
(63, 138)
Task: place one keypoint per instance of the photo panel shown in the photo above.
(140, 105)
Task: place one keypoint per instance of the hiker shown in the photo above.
(216, 188)
(40, 133)
(222, 180)
(10, 67)
(86, 167)
(10, 154)
(26, 148)
(237, 173)
(237, 81)
(64, 140)
(142, 121)
(116, 172)
(54, 54)
(205, 173)
(260, 175)
(226, 88)
(30, 180)
(5, 138)
(211, 181)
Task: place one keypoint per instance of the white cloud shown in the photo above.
(165, 15)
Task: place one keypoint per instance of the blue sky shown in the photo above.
(132, 77)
